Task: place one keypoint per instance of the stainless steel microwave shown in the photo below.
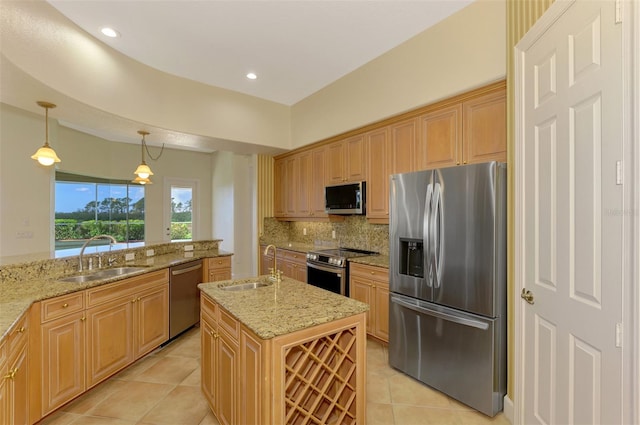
(349, 198)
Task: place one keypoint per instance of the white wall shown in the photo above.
(26, 196)
(234, 199)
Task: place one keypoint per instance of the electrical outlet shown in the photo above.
(304, 231)
(129, 257)
(188, 247)
(150, 252)
(333, 234)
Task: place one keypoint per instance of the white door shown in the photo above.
(180, 209)
(569, 228)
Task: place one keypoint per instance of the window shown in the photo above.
(181, 208)
(88, 206)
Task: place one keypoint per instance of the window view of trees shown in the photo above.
(181, 219)
(92, 207)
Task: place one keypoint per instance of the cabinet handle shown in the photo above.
(464, 162)
(22, 329)
(65, 305)
(372, 272)
(133, 301)
(11, 374)
(82, 319)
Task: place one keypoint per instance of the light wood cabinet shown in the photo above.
(15, 379)
(404, 137)
(378, 184)
(293, 264)
(219, 364)
(63, 330)
(346, 161)
(280, 188)
(4, 384)
(125, 320)
(440, 139)
(370, 285)
(249, 380)
(317, 184)
(217, 268)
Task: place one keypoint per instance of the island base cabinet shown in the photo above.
(315, 375)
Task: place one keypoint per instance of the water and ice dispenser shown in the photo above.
(411, 257)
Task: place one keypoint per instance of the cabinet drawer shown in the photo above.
(109, 291)
(219, 263)
(229, 324)
(379, 274)
(209, 308)
(294, 256)
(18, 334)
(61, 306)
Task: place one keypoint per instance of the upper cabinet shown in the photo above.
(466, 129)
(346, 161)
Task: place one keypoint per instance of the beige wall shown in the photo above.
(26, 188)
(465, 51)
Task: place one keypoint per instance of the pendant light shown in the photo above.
(143, 172)
(46, 155)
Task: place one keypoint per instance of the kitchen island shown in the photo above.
(287, 352)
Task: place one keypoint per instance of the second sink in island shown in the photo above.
(286, 352)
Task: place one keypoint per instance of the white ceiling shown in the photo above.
(295, 47)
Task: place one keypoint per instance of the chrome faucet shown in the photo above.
(275, 274)
(113, 240)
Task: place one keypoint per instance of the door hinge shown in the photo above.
(618, 11)
(618, 335)
(618, 172)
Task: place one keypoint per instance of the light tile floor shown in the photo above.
(164, 388)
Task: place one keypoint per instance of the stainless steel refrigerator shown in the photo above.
(447, 251)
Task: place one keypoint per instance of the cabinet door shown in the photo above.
(252, 374)
(355, 164)
(334, 168)
(440, 143)
(360, 289)
(403, 140)
(109, 339)
(287, 268)
(485, 128)
(300, 272)
(209, 355)
(218, 275)
(317, 183)
(381, 321)
(18, 386)
(151, 327)
(279, 185)
(63, 360)
(303, 182)
(227, 385)
(378, 180)
(291, 185)
(4, 397)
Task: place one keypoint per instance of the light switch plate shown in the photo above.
(150, 252)
(188, 247)
(129, 257)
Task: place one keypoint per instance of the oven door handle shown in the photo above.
(337, 270)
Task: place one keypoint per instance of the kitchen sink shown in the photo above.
(245, 286)
(102, 274)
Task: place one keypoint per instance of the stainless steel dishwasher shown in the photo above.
(184, 296)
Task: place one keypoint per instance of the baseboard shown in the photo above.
(507, 409)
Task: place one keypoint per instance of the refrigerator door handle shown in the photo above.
(426, 235)
(437, 230)
(451, 318)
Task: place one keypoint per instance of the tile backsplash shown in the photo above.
(353, 232)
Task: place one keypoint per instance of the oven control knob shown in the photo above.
(340, 262)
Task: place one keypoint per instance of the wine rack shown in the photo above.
(320, 380)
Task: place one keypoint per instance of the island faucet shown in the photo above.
(113, 240)
(275, 274)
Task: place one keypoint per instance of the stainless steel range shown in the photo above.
(327, 268)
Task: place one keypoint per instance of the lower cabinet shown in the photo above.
(218, 268)
(293, 264)
(14, 388)
(87, 336)
(370, 285)
(249, 380)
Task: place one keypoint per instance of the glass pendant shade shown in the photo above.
(141, 180)
(46, 155)
(143, 171)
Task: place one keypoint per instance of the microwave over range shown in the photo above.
(349, 198)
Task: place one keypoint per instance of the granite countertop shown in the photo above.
(279, 309)
(16, 298)
(372, 260)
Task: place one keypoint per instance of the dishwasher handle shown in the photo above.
(442, 315)
(187, 270)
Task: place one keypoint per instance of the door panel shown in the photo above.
(571, 245)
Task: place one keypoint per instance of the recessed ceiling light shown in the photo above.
(252, 76)
(109, 32)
